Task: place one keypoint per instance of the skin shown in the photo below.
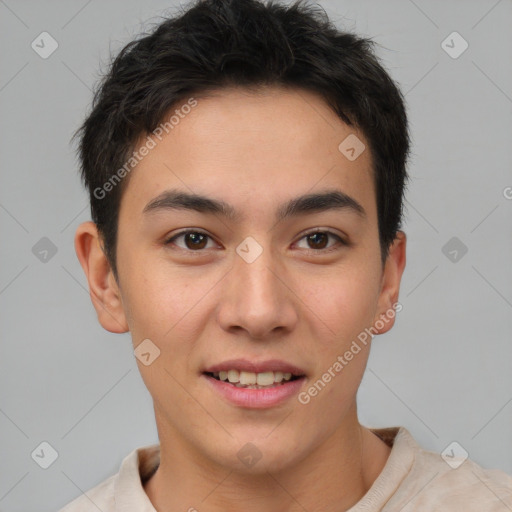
(295, 302)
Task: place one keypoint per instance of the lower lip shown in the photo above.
(255, 398)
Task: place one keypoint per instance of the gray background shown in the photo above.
(444, 369)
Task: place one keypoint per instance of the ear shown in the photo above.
(390, 284)
(103, 288)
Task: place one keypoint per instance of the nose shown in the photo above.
(257, 297)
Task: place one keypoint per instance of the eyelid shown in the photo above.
(169, 240)
(329, 231)
(341, 240)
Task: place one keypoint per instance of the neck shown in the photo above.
(333, 477)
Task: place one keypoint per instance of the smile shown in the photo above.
(252, 380)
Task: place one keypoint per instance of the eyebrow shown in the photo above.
(308, 203)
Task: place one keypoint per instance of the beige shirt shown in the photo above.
(413, 479)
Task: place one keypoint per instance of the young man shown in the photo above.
(246, 165)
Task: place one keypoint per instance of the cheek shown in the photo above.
(342, 302)
(342, 347)
(167, 307)
(162, 309)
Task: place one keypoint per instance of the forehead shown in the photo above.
(254, 149)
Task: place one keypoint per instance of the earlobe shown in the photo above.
(103, 289)
(390, 284)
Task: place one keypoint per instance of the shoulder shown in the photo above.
(451, 483)
(124, 490)
(100, 497)
(468, 484)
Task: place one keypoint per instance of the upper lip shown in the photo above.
(270, 365)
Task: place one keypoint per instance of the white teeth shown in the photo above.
(248, 378)
(264, 379)
(251, 379)
(233, 376)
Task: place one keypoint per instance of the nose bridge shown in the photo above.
(255, 282)
(256, 298)
(259, 280)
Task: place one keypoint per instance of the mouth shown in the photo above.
(248, 384)
(253, 380)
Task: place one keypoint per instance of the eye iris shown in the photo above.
(197, 239)
(318, 237)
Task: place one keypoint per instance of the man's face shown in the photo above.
(255, 288)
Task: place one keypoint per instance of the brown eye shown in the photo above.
(194, 240)
(318, 241)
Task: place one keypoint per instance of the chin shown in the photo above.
(251, 455)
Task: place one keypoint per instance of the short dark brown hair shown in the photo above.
(219, 43)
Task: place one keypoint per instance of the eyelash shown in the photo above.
(195, 231)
